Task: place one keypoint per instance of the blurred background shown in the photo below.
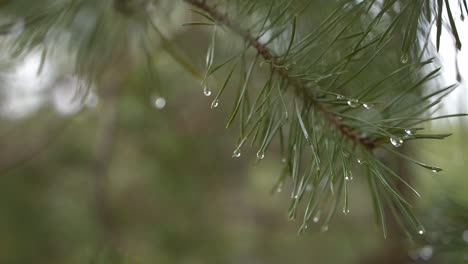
(143, 173)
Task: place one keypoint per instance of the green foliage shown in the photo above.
(340, 86)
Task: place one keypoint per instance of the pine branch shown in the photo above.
(299, 86)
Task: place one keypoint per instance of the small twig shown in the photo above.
(299, 86)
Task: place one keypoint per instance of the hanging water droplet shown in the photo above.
(236, 153)
(426, 252)
(347, 178)
(404, 58)
(435, 171)
(215, 103)
(316, 219)
(296, 197)
(465, 236)
(345, 211)
(292, 217)
(324, 228)
(353, 103)
(206, 91)
(160, 103)
(421, 232)
(367, 106)
(409, 132)
(260, 154)
(306, 226)
(360, 161)
(340, 97)
(396, 142)
(279, 189)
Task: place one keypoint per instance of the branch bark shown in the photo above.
(299, 86)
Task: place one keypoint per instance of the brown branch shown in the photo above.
(299, 86)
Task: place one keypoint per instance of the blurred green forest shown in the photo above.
(171, 190)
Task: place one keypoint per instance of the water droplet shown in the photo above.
(347, 178)
(426, 252)
(215, 103)
(367, 106)
(340, 97)
(296, 197)
(396, 142)
(345, 211)
(436, 170)
(160, 103)
(206, 91)
(421, 232)
(353, 103)
(324, 228)
(360, 161)
(292, 217)
(409, 132)
(260, 154)
(279, 189)
(316, 219)
(404, 58)
(283, 160)
(465, 236)
(236, 153)
(306, 226)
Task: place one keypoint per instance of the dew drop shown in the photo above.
(324, 228)
(345, 211)
(340, 97)
(421, 232)
(436, 170)
(236, 153)
(215, 103)
(292, 217)
(206, 91)
(426, 252)
(160, 103)
(260, 155)
(347, 178)
(465, 236)
(360, 161)
(404, 58)
(353, 103)
(367, 106)
(316, 219)
(396, 142)
(279, 189)
(409, 132)
(283, 160)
